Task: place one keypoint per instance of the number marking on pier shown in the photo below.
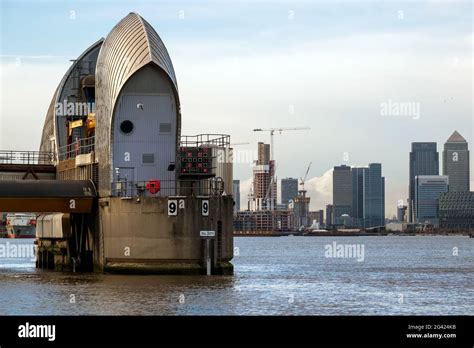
(172, 207)
(205, 207)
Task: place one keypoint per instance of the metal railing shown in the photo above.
(26, 157)
(206, 187)
(87, 145)
(220, 140)
(79, 147)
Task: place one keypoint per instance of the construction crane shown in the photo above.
(236, 144)
(272, 132)
(305, 176)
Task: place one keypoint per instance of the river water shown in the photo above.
(419, 275)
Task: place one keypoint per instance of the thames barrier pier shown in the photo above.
(119, 189)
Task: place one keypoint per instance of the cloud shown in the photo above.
(320, 190)
(26, 90)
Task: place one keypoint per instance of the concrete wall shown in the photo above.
(140, 236)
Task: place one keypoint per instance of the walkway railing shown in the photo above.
(79, 147)
(208, 187)
(220, 140)
(26, 157)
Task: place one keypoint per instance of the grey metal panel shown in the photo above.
(148, 158)
(128, 149)
(130, 46)
(165, 128)
(127, 174)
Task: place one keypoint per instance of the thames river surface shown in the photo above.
(420, 275)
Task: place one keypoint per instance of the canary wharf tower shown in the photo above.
(456, 162)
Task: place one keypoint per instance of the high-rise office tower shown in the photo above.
(374, 196)
(424, 160)
(456, 163)
(236, 194)
(358, 195)
(428, 189)
(329, 221)
(289, 190)
(341, 193)
(368, 196)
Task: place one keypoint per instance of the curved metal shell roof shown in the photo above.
(131, 45)
(50, 126)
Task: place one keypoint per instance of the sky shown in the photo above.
(333, 66)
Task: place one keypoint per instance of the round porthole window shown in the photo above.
(126, 127)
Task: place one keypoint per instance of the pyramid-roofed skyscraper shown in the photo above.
(456, 162)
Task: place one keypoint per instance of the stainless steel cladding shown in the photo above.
(134, 69)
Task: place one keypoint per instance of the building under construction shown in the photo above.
(264, 222)
(263, 195)
(262, 216)
(127, 192)
(301, 210)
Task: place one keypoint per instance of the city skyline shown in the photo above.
(320, 187)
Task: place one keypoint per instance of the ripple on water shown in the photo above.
(273, 276)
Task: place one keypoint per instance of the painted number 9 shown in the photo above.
(172, 207)
(205, 207)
